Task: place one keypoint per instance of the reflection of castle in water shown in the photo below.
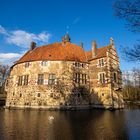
(64, 75)
(69, 125)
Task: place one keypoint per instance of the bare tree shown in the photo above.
(131, 89)
(129, 10)
(3, 70)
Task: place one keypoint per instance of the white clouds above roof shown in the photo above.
(9, 55)
(9, 58)
(22, 38)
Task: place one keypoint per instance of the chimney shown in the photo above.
(94, 49)
(81, 44)
(32, 45)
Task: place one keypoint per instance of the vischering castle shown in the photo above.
(63, 75)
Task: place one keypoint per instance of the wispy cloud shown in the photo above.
(2, 30)
(76, 20)
(9, 55)
(22, 38)
(9, 58)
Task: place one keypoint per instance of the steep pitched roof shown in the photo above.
(101, 52)
(56, 51)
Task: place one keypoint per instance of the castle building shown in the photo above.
(63, 76)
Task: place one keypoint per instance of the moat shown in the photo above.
(70, 125)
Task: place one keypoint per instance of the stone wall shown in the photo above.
(63, 93)
(108, 94)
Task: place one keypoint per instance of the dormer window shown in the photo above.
(101, 62)
(27, 64)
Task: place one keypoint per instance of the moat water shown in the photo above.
(70, 125)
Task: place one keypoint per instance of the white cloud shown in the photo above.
(23, 38)
(9, 58)
(2, 30)
(44, 37)
(9, 55)
(20, 38)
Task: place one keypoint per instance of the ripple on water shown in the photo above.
(69, 125)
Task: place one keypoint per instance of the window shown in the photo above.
(40, 79)
(102, 78)
(78, 64)
(38, 95)
(77, 77)
(44, 63)
(115, 77)
(23, 80)
(20, 95)
(80, 78)
(51, 80)
(27, 64)
(20, 80)
(26, 77)
(101, 62)
(83, 81)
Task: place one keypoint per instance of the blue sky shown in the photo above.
(46, 21)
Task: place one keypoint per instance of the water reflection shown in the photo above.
(69, 125)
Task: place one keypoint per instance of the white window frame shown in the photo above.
(27, 64)
(44, 63)
(100, 78)
(101, 62)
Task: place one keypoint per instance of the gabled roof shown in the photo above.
(101, 52)
(56, 51)
(61, 52)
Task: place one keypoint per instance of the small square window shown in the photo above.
(27, 64)
(38, 95)
(44, 63)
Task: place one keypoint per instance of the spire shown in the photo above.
(66, 38)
